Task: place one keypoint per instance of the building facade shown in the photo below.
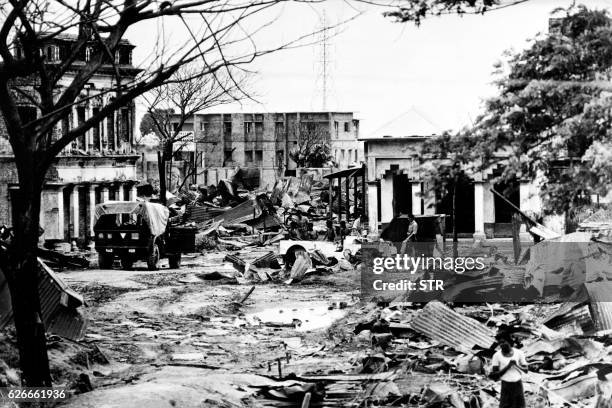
(97, 167)
(226, 141)
(395, 185)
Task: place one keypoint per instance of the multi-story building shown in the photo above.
(97, 167)
(224, 141)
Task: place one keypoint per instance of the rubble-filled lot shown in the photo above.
(181, 338)
(274, 317)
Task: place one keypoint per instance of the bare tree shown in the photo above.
(312, 149)
(219, 34)
(171, 105)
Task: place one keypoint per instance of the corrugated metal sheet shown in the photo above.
(67, 322)
(570, 318)
(264, 261)
(443, 324)
(6, 310)
(58, 304)
(466, 291)
(200, 214)
(600, 294)
(267, 220)
(590, 309)
(245, 211)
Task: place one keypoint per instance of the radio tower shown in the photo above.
(323, 77)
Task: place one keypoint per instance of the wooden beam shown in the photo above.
(347, 205)
(331, 198)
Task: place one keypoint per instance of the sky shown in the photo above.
(380, 69)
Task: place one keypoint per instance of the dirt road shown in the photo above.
(172, 338)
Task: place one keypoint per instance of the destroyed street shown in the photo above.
(305, 203)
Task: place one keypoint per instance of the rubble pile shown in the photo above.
(436, 356)
(306, 338)
(228, 218)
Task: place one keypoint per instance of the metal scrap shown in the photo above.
(443, 324)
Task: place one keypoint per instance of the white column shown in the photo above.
(89, 134)
(120, 193)
(104, 197)
(478, 211)
(386, 199)
(115, 141)
(74, 211)
(104, 134)
(416, 198)
(41, 215)
(74, 124)
(75, 117)
(60, 213)
(92, 207)
(133, 193)
(373, 209)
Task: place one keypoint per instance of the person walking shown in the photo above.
(411, 235)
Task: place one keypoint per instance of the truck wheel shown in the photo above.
(153, 257)
(174, 261)
(127, 263)
(105, 261)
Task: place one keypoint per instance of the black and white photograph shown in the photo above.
(306, 203)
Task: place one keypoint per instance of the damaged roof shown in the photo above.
(589, 309)
(443, 324)
(59, 304)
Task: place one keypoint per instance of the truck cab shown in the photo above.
(132, 231)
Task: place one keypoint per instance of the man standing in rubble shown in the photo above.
(508, 365)
(411, 235)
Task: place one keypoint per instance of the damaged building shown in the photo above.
(97, 167)
(395, 185)
(223, 142)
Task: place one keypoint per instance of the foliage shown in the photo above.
(551, 120)
(417, 10)
(147, 125)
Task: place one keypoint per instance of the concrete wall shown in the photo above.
(93, 169)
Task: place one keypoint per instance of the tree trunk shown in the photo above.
(161, 165)
(21, 271)
(169, 173)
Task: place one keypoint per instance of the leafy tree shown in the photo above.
(445, 173)
(551, 120)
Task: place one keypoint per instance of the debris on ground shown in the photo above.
(267, 313)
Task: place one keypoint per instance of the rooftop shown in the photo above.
(74, 37)
(409, 125)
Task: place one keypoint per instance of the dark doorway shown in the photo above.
(510, 190)
(402, 195)
(465, 207)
